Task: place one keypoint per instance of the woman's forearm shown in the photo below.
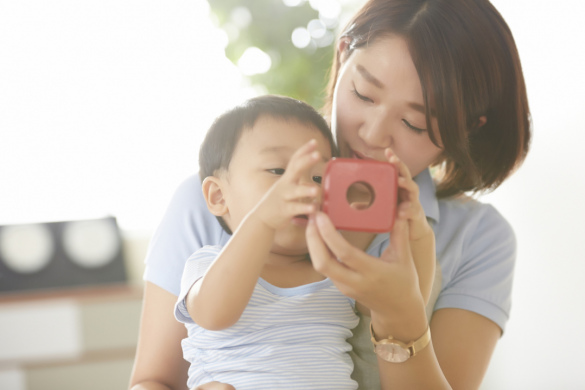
(421, 371)
(424, 255)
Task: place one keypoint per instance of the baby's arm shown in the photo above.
(421, 235)
(217, 300)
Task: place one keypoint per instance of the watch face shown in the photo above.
(392, 352)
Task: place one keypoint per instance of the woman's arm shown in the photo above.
(159, 362)
(389, 287)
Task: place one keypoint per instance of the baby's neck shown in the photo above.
(289, 271)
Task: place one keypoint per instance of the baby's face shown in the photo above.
(260, 158)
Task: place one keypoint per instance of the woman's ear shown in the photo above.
(343, 49)
(214, 197)
(481, 121)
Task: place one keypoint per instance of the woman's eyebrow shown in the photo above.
(369, 77)
(421, 108)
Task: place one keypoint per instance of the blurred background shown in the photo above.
(103, 105)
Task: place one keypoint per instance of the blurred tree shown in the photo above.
(296, 43)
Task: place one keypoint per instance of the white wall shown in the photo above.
(542, 347)
(103, 103)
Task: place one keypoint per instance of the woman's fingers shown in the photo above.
(340, 249)
(399, 248)
(323, 259)
(402, 168)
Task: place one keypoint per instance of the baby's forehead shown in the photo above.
(273, 134)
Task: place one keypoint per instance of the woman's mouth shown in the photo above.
(360, 156)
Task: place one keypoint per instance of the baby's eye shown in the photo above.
(276, 171)
(317, 179)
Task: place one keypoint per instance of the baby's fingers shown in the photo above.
(302, 160)
(302, 192)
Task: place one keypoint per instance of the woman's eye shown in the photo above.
(414, 128)
(276, 171)
(360, 96)
(317, 179)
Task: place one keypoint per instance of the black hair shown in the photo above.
(221, 139)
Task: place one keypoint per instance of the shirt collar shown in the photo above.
(427, 197)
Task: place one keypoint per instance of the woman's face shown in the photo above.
(378, 104)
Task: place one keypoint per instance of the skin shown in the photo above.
(269, 189)
(368, 124)
(374, 127)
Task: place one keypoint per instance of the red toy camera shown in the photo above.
(360, 194)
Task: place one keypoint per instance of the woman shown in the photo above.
(436, 83)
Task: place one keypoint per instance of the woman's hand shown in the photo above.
(409, 206)
(388, 285)
(420, 233)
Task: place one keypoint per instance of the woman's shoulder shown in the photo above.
(472, 229)
(470, 212)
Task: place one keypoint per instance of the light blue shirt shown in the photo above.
(476, 251)
(286, 338)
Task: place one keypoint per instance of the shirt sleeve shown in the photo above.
(195, 268)
(186, 226)
(481, 280)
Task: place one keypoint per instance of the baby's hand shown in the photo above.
(295, 193)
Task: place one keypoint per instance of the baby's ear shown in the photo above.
(213, 193)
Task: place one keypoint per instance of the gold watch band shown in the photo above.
(413, 347)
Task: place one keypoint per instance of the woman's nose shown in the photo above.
(376, 132)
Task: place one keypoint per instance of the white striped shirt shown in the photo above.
(287, 338)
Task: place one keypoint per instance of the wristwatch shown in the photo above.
(395, 351)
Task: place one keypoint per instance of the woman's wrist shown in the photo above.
(407, 325)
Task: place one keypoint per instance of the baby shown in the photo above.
(258, 315)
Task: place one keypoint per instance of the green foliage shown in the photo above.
(299, 73)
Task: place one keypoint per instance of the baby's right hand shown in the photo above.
(294, 193)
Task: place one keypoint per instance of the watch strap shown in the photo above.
(413, 347)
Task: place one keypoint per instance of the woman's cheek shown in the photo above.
(347, 126)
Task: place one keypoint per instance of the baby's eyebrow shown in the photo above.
(274, 149)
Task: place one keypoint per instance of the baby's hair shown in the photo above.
(224, 134)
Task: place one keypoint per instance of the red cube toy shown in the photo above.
(380, 178)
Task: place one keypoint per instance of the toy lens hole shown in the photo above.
(360, 195)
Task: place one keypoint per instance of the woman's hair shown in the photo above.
(468, 67)
(222, 138)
